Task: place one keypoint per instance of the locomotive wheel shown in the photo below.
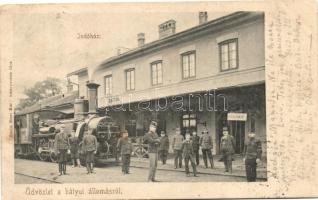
(53, 157)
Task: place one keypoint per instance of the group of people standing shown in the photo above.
(69, 144)
(186, 148)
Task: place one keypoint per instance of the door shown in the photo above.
(161, 122)
(130, 126)
(237, 130)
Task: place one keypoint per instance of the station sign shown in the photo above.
(236, 116)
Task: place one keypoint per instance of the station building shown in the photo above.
(206, 77)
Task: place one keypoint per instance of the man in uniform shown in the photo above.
(206, 143)
(227, 149)
(252, 156)
(61, 148)
(90, 149)
(74, 147)
(196, 146)
(188, 155)
(151, 138)
(125, 147)
(164, 147)
(176, 146)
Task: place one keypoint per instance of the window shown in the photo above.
(189, 120)
(130, 79)
(108, 85)
(228, 55)
(188, 64)
(156, 72)
(189, 123)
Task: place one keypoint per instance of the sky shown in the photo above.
(46, 45)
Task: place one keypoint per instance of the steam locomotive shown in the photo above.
(35, 133)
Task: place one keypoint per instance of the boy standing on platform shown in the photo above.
(188, 154)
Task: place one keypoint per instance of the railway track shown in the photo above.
(37, 178)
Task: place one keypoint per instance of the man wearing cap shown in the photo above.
(61, 147)
(151, 138)
(227, 149)
(164, 147)
(252, 156)
(74, 147)
(176, 146)
(125, 147)
(206, 143)
(196, 146)
(90, 149)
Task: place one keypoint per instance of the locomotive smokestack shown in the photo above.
(92, 97)
(80, 108)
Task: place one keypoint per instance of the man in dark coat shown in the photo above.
(206, 143)
(151, 138)
(176, 146)
(61, 148)
(164, 147)
(90, 149)
(196, 146)
(74, 147)
(227, 149)
(125, 147)
(252, 156)
(188, 155)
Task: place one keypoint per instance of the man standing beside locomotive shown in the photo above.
(206, 143)
(252, 156)
(227, 149)
(151, 138)
(90, 149)
(61, 148)
(74, 146)
(176, 146)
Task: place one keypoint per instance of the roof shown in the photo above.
(51, 102)
(208, 27)
(84, 69)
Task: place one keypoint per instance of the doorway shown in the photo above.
(237, 130)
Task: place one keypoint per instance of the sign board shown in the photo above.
(236, 116)
(113, 100)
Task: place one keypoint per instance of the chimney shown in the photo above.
(203, 17)
(141, 39)
(92, 97)
(167, 28)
